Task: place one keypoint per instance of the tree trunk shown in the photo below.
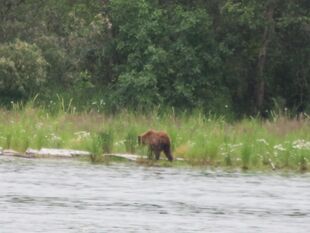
(262, 57)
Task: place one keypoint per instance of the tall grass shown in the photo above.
(131, 140)
(280, 143)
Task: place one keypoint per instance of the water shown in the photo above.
(71, 196)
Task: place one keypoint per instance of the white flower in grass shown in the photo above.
(262, 140)
(39, 125)
(223, 150)
(237, 145)
(53, 137)
(122, 142)
(301, 144)
(229, 148)
(82, 135)
(279, 147)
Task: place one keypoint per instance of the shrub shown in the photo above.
(22, 69)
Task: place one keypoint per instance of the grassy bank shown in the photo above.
(280, 143)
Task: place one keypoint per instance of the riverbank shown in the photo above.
(280, 143)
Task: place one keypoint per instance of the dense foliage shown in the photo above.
(220, 56)
(22, 67)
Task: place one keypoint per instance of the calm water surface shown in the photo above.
(71, 196)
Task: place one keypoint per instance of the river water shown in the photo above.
(72, 196)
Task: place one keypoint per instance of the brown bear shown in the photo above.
(157, 141)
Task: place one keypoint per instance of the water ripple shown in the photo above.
(71, 196)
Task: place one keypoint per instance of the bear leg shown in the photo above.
(157, 154)
(150, 153)
(168, 154)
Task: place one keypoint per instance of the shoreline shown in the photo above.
(249, 144)
(69, 154)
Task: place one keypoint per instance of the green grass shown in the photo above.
(281, 143)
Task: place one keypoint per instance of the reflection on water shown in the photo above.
(72, 196)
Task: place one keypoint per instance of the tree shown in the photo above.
(22, 69)
(260, 40)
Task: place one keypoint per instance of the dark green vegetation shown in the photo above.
(224, 57)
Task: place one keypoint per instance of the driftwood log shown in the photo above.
(67, 153)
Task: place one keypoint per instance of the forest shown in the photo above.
(231, 58)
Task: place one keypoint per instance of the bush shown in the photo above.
(22, 69)
(136, 90)
(57, 58)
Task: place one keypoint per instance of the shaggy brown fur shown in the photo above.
(157, 141)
